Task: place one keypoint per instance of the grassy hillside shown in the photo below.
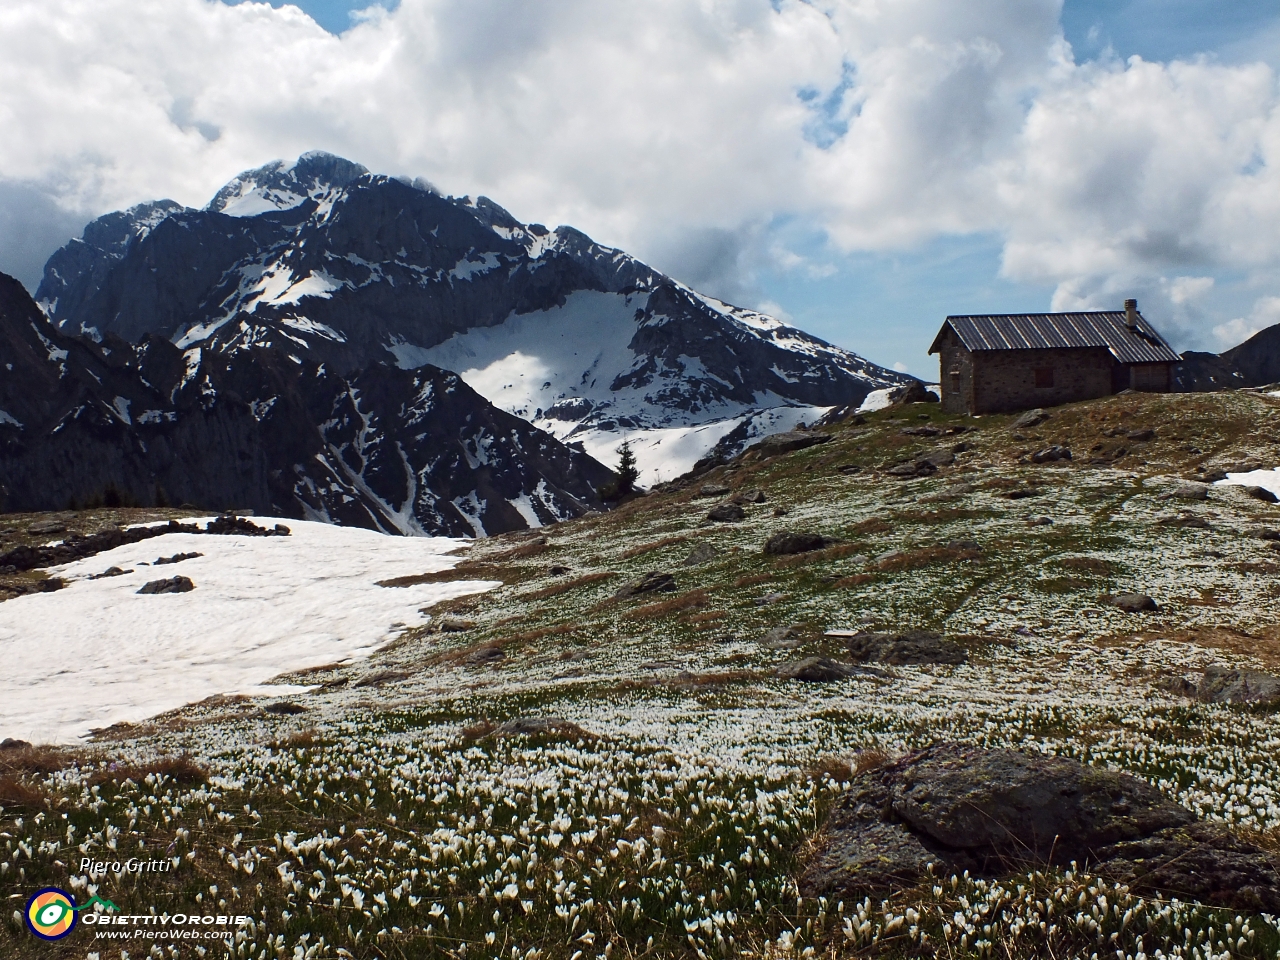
(667, 805)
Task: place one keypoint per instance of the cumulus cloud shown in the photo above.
(683, 130)
(1265, 313)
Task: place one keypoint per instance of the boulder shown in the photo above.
(652, 582)
(925, 431)
(712, 490)
(1190, 491)
(701, 553)
(991, 812)
(109, 572)
(940, 458)
(1133, 602)
(483, 655)
(1141, 435)
(727, 512)
(794, 541)
(783, 638)
(176, 558)
(1051, 454)
(1032, 418)
(1227, 685)
(172, 585)
(815, 670)
(781, 443)
(1261, 493)
(284, 708)
(754, 495)
(912, 468)
(915, 646)
(913, 392)
(44, 527)
(9, 743)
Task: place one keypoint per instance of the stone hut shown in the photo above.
(1005, 362)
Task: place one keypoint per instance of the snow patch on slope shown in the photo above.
(97, 653)
(1266, 479)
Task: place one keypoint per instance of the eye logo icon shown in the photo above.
(51, 913)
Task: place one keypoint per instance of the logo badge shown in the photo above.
(51, 913)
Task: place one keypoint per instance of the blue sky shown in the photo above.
(859, 169)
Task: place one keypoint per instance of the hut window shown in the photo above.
(1044, 376)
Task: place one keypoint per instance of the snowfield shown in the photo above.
(97, 653)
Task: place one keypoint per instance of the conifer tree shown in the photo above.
(627, 472)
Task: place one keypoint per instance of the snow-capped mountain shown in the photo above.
(337, 266)
(406, 451)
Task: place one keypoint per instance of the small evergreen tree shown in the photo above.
(627, 472)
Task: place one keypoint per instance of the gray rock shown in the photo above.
(284, 708)
(1190, 491)
(1225, 685)
(781, 443)
(794, 541)
(8, 743)
(913, 468)
(701, 553)
(987, 811)
(1133, 603)
(1262, 493)
(1141, 435)
(754, 495)
(1051, 454)
(727, 512)
(172, 585)
(652, 582)
(915, 646)
(783, 638)
(1199, 861)
(1032, 418)
(925, 431)
(712, 490)
(109, 572)
(913, 392)
(815, 670)
(770, 598)
(452, 625)
(535, 726)
(484, 655)
(46, 527)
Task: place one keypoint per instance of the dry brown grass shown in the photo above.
(926, 556)
(842, 770)
(463, 571)
(296, 741)
(34, 760)
(650, 547)
(871, 525)
(181, 769)
(534, 549)
(707, 616)
(478, 730)
(25, 796)
(694, 598)
(558, 588)
(752, 579)
(838, 552)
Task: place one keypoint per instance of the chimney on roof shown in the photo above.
(1131, 314)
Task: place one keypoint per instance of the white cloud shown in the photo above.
(684, 130)
(1265, 313)
(900, 366)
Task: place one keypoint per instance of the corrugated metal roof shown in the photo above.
(1046, 331)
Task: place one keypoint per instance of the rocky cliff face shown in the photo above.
(333, 265)
(403, 451)
(1254, 363)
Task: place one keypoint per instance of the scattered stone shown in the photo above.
(1032, 418)
(850, 468)
(727, 512)
(1226, 685)
(815, 670)
(1039, 522)
(927, 431)
(1141, 435)
(558, 571)
(754, 495)
(1262, 493)
(914, 646)
(780, 511)
(379, 677)
(783, 638)
(284, 708)
(484, 655)
(451, 625)
(1022, 493)
(781, 443)
(652, 582)
(176, 558)
(43, 527)
(769, 598)
(913, 468)
(963, 545)
(701, 553)
(1189, 521)
(913, 392)
(712, 490)
(8, 743)
(991, 812)
(794, 541)
(1051, 454)
(941, 458)
(1190, 491)
(109, 572)
(172, 585)
(1132, 602)
(541, 726)
(1267, 533)
(230, 523)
